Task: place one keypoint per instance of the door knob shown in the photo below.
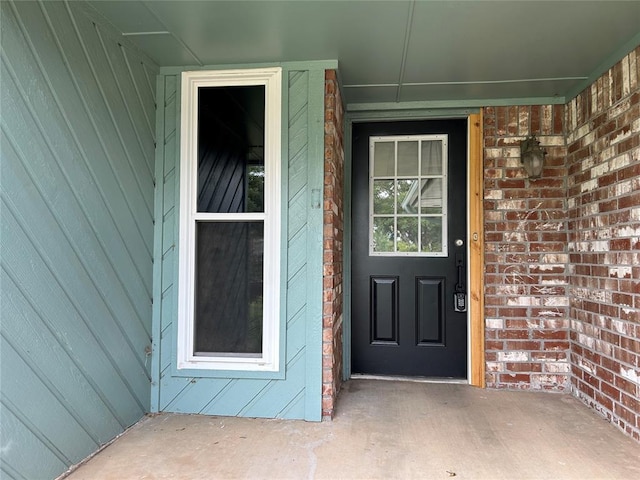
(459, 242)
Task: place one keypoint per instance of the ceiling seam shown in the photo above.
(137, 34)
(492, 82)
(178, 39)
(470, 82)
(405, 49)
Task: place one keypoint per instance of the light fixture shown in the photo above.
(532, 157)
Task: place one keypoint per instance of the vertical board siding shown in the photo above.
(270, 398)
(76, 236)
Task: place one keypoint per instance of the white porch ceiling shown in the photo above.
(457, 52)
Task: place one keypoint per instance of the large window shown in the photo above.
(230, 220)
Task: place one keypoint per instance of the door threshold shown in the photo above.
(364, 376)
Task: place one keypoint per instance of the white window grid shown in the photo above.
(444, 139)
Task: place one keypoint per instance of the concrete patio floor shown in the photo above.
(383, 429)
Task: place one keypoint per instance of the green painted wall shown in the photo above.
(296, 392)
(77, 150)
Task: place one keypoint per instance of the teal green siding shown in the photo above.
(77, 146)
(296, 391)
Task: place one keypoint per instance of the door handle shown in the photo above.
(459, 295)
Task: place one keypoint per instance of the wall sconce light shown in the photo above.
(532, 157)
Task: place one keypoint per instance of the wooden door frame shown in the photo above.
(475, 226)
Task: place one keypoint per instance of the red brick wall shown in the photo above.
(526, 277)
(333, 232)
(562, 253)
(603, 136)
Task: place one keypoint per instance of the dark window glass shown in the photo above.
(231, 149)
(229, 287)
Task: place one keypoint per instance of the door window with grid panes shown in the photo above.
(408, 195)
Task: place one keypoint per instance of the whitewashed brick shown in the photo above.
(556, 367)
(513, 356)
(497, 323)
(495, 367)
(493, 194)
(620, 161)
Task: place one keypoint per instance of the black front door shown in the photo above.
(409, 248)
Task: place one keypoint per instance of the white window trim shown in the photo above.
(268, 361)
(444, 138)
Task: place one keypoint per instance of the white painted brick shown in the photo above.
(523, 301)
(627, 231)
(493, 194)
(623, 188)
(583, 130)
(619, 109)
(626, 78)
(587, 164)
(587, 366)
(495, 367)
(589, 185)
(599, 246)
(592, 330)
(607, 153)
(494, 323)
(511, 204)
(546, 117)
(604, 347)
(582, 247)
(511, 289)
(620, 326)
(556, 367)
(551, 141)
(589, 138)
(630, 374)
(493, 153)
(514, 237)
(513, 356)
(579, 292)
(620, 272)
(493, 216)
(596, 295)
(633, 78)
(592, 209)
(600, 84)
(557, 258)
(599, 170)
(514, 163)
(555, 323)
(620, 161)
(538, 381)
(546, 268)
(621, 136)
(586, 340)
(629, 258)
(513, 152)
(555, 301)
